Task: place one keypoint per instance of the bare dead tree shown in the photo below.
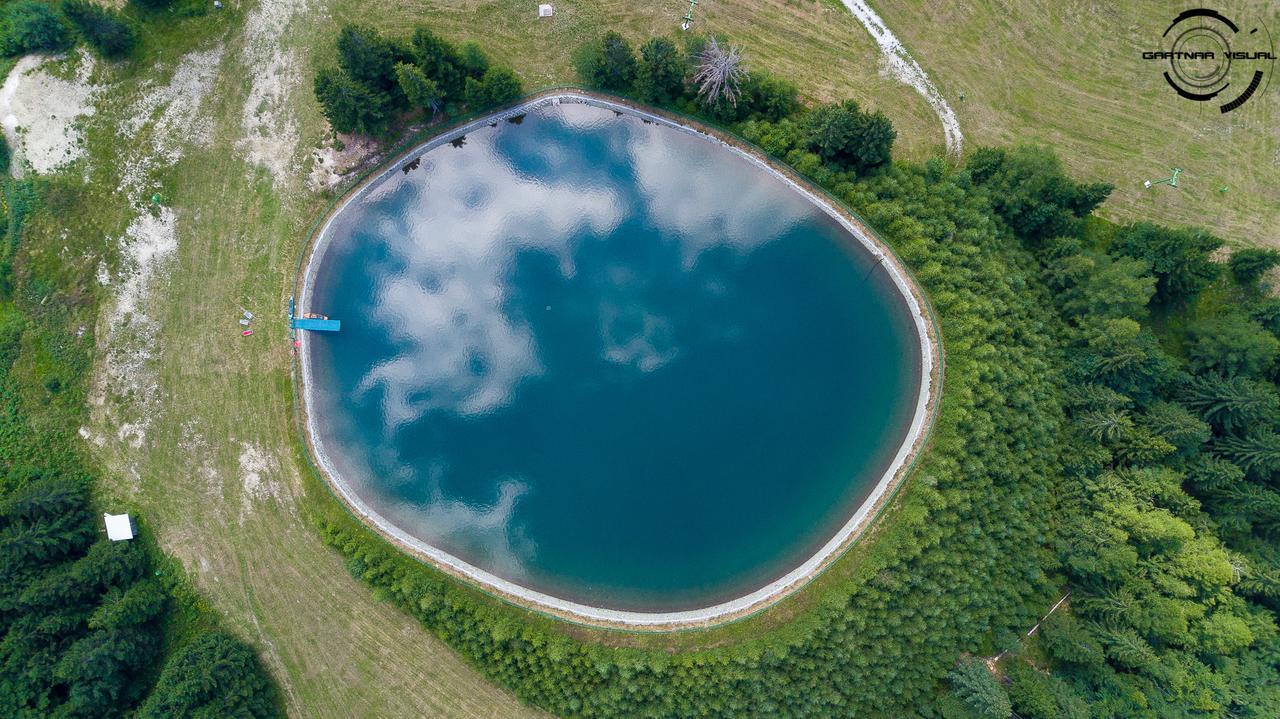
(720, 73)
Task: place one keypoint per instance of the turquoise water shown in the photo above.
(607, 360)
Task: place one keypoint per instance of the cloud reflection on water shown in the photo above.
(453, 230)
(460, 350)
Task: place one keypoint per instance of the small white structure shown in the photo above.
(546, 11)
(119, 528)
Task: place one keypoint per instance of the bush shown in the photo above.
(31, 26)
(107, 31)
(1033, 195)
(370, 59)
(1231, 345)
(472, 60)
(1179, 258)
(773, 99)
(441, 63)
(974, 685)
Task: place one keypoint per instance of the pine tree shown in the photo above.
(973, 684)
(420, 90)
(1258, 453)
(660, 72)
(1231, 404)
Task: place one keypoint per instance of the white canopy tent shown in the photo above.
(119, 528)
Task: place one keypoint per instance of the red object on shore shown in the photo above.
(246, 333)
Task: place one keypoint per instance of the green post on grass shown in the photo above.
(688, 17)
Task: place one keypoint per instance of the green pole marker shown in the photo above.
(688, 17)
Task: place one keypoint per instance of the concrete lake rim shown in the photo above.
(930, 376)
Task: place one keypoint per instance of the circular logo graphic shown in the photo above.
(1212, 58)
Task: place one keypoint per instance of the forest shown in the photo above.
(1108, 434)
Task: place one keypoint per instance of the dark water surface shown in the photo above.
(607, 360)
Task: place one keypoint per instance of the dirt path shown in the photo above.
(902, 66)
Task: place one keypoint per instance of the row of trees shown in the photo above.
(710, 78)
(705, 76)
(377, 79)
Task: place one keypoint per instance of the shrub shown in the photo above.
(773, 99)
(1180, 258)
(369, 59)
(441, 62)
(472, 60)
(1231, 345)
(1033, 195)
(31, 26)
(107, 31)
(980, 691)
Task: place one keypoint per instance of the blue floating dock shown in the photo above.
(315, 325)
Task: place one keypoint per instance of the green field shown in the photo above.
(196, 428)
(1070, 75)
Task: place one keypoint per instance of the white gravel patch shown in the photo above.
(40, 112)
(172, 112)
(270, 129)
(128, 332)
(126, 394)
(898, 63)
